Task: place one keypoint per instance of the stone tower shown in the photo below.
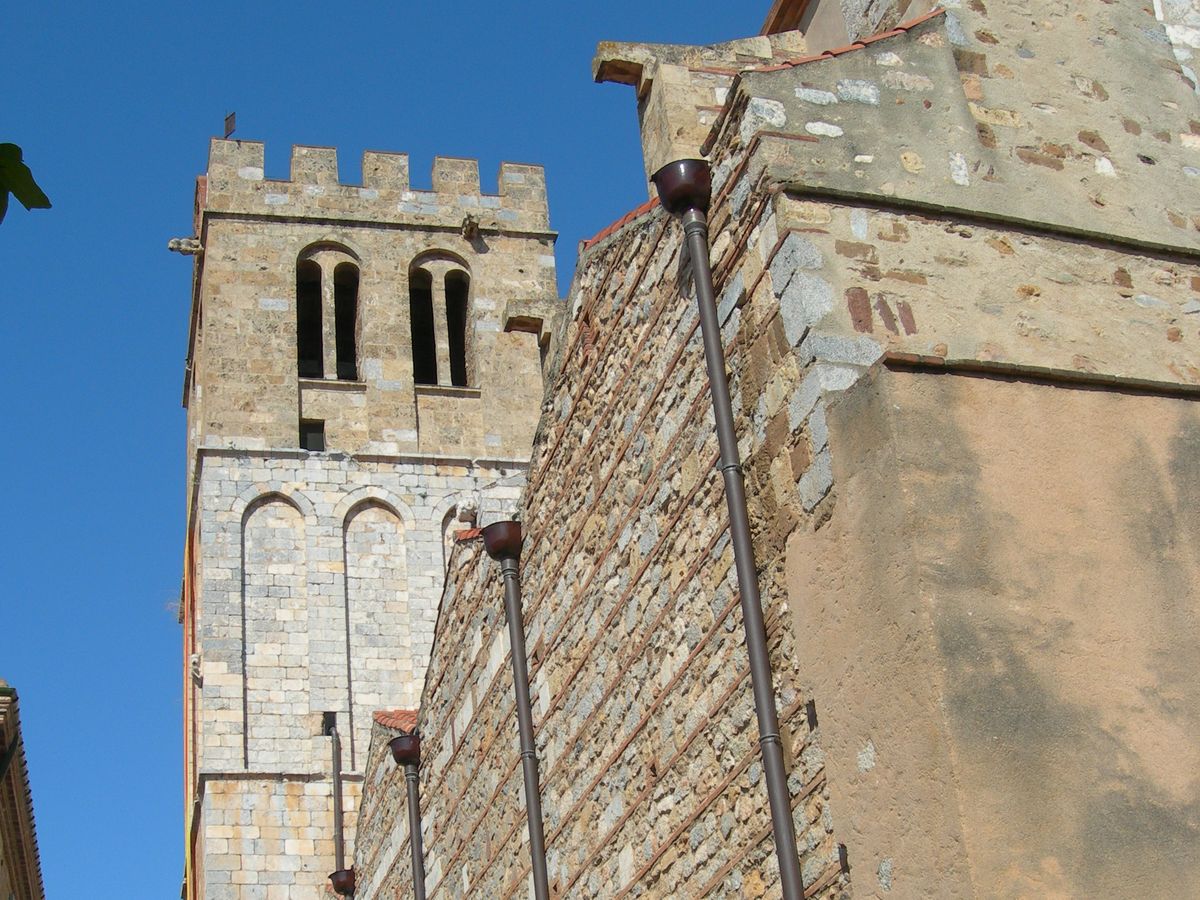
(363, 379)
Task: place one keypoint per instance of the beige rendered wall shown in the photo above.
(1002, 608)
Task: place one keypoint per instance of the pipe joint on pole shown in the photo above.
(685, 188)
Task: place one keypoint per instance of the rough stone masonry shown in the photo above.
(325, 492)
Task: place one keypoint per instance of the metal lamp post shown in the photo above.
(685, 188)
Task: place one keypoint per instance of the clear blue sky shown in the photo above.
(114, 104)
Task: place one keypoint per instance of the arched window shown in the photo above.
(309, 354)
(458, 285)
(424, 341)
(345, 318)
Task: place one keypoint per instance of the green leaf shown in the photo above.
(16, 178)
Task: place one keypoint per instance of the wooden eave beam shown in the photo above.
(784, 16)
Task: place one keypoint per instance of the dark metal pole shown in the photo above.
(503, 542)
(342, 878)
(413, 777)
(685, 187)
(339, 843)
(406, 750)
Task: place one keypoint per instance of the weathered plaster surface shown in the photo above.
(1001, 607)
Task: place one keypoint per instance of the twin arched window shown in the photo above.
(438, 292)
(313, 332)
(438, 300)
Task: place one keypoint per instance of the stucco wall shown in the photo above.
(1003, 607)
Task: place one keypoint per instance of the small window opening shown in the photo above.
(457, 288)
(420, 310)
(312, 435)
(345, 318)
(328, 723)
(308, 320)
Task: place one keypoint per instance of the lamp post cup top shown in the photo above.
(503, 540)
(406, 749)
(684, 185)
(343, 882)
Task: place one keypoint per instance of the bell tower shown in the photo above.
(363, 379)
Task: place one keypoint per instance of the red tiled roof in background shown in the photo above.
(467, 534)
(398, 719)
(857, 45)
(621, 222)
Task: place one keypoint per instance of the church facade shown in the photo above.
(956, 254)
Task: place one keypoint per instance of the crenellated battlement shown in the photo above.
(236, 183)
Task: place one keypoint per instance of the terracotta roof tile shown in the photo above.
(467, 534)
(620, 223)
(860, 44)
(398, 719)
(849, 48)
(783, 64)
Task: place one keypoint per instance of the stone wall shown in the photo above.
(968, 110)
(681, 88)
(242, 388)
(948, 201)
(1181, 22)
(651, 780)
(317, 578)
(333, 568)
(236, 184)
(271, 838)
(315, 566)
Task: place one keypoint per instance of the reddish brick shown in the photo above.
(855, 250)
(800, 457)
(1093, 140)
(778, 431)
(906, 317)
(885, 314)
(1029, 155)
(859, 305)
(905, 275)
(969, 61)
